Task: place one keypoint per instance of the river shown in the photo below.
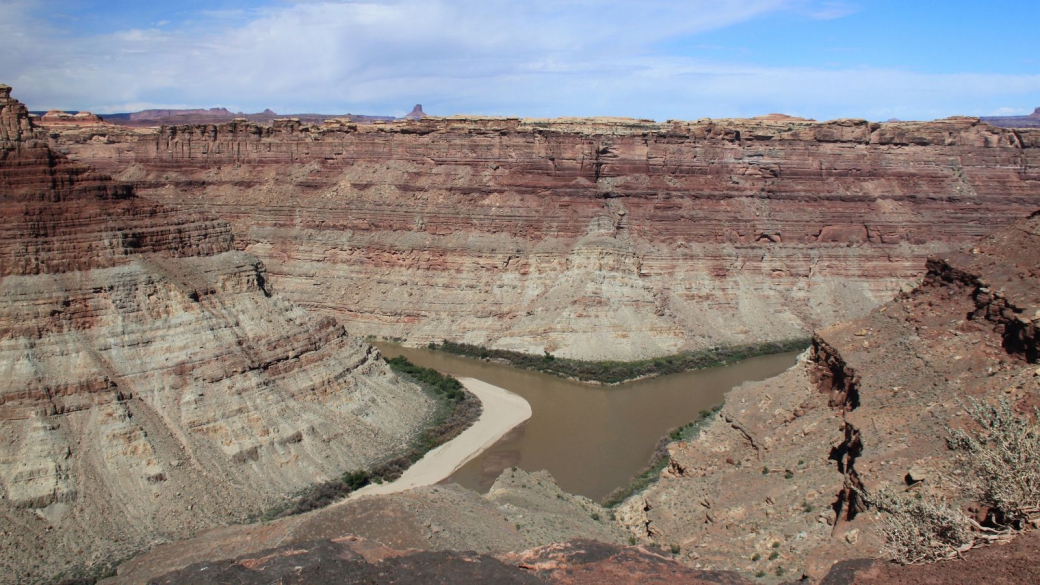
(592, 439)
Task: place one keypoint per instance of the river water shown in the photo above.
(592, 439)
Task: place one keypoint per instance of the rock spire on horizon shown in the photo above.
(417, 113)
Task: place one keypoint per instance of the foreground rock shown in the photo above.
(150, 383)
(522, 510)
(770, 486)
(354, 560)
(588, 238)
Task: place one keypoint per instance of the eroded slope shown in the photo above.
(770, 483)
(150, 384)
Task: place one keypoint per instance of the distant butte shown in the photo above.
(416, 114)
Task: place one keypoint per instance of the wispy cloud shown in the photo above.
(534, 58)
(831, 10)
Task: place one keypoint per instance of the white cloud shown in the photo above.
(1009, 111)
(534, 58)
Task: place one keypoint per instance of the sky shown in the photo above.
(686, 59)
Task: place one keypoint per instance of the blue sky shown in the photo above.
(824, 59)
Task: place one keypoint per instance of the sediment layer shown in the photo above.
(587, 238)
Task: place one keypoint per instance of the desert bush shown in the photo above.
(920, 530)
(1000, 462)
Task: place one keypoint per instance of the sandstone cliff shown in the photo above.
(770, 483)
(589, 238)
(150, 383)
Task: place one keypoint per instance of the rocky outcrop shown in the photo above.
(775, 481)
(590, 238)
(521, 511)
(152, 384)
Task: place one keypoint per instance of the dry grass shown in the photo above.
(998, 466)
(1000, 462)
(920, 530)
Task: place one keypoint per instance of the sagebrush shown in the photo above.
(1000, 462)
(997, 466)
(920, 530)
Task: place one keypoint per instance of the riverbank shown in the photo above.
(613, 373)
(502, 412)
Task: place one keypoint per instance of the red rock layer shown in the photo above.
(592, 238)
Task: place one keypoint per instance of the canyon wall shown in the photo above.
(588, 238)
(151, 384)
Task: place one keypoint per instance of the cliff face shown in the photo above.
(150, 383)
(601, 238)
(867, 408)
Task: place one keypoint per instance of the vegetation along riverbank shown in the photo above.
(456, 411)
(617, 372)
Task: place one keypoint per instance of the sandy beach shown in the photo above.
(502, 412)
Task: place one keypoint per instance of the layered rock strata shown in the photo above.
(150, 383)
(774, 483)
(588, 238)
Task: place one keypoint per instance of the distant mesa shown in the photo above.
(60, 118)
(158, 117)
(1030, 121)
(416, 113)
(780, 117)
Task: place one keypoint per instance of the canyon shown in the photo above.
(182, 311)
(769, 489)
(587, 238)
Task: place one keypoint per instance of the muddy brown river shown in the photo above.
(592, 439)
